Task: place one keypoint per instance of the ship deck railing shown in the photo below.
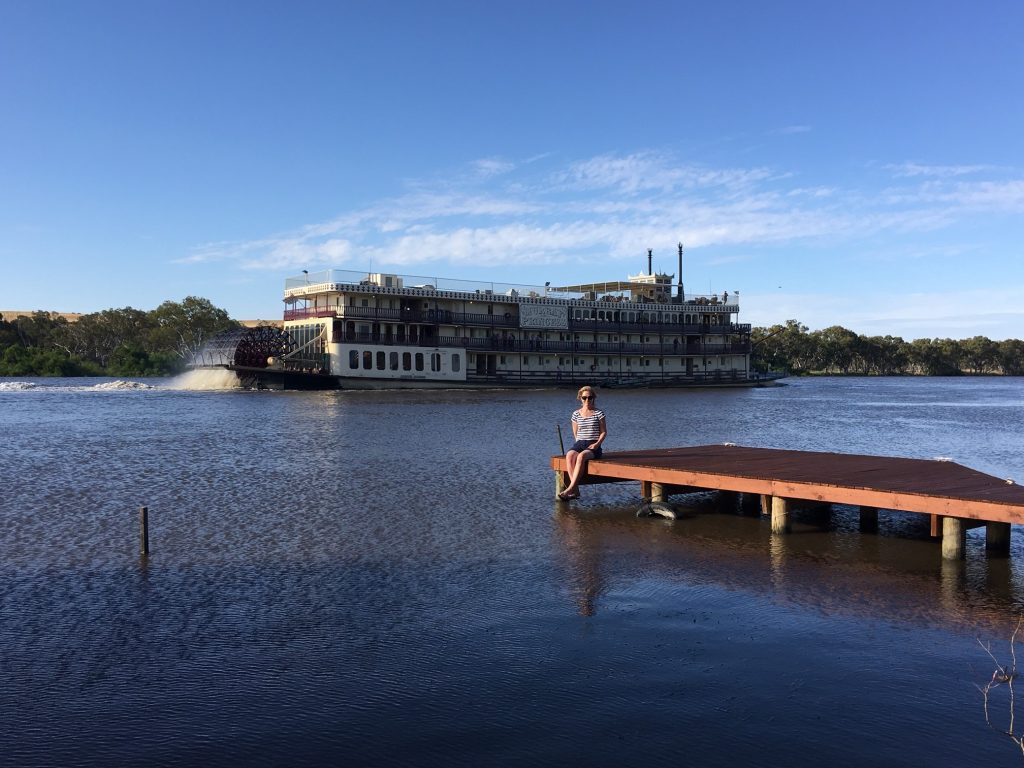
(511, 320)
(612, 292)
(611, 380)
(526, 346)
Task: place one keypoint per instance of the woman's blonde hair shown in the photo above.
(585, 388)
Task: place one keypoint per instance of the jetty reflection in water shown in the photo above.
(824, 563)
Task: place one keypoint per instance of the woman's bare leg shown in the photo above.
(577, 469)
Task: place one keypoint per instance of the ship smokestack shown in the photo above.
(679, 286)
(649, 251)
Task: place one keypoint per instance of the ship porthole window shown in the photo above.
(394, 361)
(407, 361)
(419, 361)
(456, 363)
(353, 359)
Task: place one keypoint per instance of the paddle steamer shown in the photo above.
(376, 330)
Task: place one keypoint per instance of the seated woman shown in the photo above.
(589, 429)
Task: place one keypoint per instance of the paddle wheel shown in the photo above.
(246, 347)
(265, 357)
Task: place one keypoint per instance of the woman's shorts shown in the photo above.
(584, 445)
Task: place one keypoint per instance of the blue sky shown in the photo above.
(857, 164)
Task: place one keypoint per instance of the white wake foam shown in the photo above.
(205, 378)
(123, 385)
(17, 386)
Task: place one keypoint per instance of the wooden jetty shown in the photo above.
(954, 496)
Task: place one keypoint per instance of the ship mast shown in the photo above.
(679, 287)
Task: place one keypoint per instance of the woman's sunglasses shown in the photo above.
(586, 397)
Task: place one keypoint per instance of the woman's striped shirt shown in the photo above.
(588, 427)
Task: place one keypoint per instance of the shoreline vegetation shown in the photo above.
(132, 342)
(113, 342)
(838, 351)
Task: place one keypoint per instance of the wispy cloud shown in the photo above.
(501, 212)
(915, 170)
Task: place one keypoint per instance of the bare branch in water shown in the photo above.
(1000, 676)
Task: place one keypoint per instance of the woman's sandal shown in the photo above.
(563, 496)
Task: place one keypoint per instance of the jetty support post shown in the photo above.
(869, 519)
(144, 530)
(997, 538)
(560, 483)
(653, 491)
(780, 514)
(954, 538)
(658, 492)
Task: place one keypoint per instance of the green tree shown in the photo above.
(183, 327)
(838, 348)
(883, 355)
(780, 347)
(980, 355)
(935, 357)
(95, 336)
(1011, 357)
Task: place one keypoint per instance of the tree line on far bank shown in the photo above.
(131, 342)
(836, 350)
(114, 342)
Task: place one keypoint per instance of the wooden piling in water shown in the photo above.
(144, 530)
(954, 538)
(780, 514)
(997, 538)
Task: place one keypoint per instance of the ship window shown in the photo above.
(435, 362)
(353, 359)
(366, 303)
(394, 361)
(501, 359)
(407, 361)
(456, 363)
(629, 362)
(381, 361)
(419, 361)
(367, 360)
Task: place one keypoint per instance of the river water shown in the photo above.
(384, 578)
